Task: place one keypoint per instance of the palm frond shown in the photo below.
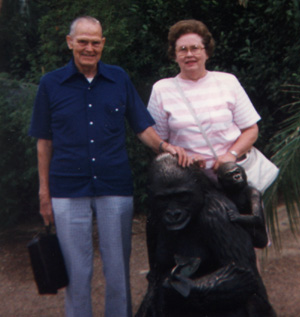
(286, 189)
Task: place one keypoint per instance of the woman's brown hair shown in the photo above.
(190, 26)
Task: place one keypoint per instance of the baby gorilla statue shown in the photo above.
(201, 262)
(248, 200)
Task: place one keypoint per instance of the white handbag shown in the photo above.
(261, 172)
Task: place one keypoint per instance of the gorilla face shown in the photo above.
(175, 204)
(175, 193)
(232, 176)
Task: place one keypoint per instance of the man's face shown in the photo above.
(87, 45)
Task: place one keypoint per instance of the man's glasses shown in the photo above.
(194, 49)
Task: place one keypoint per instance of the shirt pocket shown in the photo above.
(114, 116)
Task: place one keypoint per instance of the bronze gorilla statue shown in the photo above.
(201, 263)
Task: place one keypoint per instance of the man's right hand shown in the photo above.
(46, 211)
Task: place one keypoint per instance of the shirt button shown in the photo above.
(93, 159)
(90, 105)
(95, 177)
(91, 122)
(92, 141)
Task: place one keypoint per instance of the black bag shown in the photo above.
(47, 263)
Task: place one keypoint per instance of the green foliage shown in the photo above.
(14, 44)
(256, 40)
(286, 145)
(18, 186)
(140, 158)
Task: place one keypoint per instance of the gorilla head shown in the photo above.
(232, 176)
(176, 192)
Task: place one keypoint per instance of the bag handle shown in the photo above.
(192, 111)
(48, 228)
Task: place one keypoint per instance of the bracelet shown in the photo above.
(160, 149)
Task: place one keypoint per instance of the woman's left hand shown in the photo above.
(198, 160)
(242, 145)
(227, 157)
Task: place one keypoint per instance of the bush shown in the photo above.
(140, 157)
(19, 182)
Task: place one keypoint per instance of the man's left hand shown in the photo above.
(183, 159)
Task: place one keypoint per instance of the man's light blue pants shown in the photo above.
(73, 221)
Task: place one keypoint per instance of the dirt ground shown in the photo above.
(19, 296)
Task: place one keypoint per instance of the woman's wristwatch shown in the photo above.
(233, 153)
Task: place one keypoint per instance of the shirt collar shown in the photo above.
(71, 70)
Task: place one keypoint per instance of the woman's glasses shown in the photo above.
(194, 49)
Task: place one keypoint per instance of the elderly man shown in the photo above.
(78, 119)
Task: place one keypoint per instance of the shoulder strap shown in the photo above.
(192, 111)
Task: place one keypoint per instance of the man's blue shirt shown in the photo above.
(86, 123)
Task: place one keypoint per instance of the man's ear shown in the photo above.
(69, 40)
(103, 41)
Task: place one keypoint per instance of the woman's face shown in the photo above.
(191, 56)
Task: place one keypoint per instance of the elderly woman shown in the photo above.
(221, 105)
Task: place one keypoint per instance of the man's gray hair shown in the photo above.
(87, 18)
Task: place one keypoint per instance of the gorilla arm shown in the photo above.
(250, 213)
(229, 285)
(232, 249)
(254, 223)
